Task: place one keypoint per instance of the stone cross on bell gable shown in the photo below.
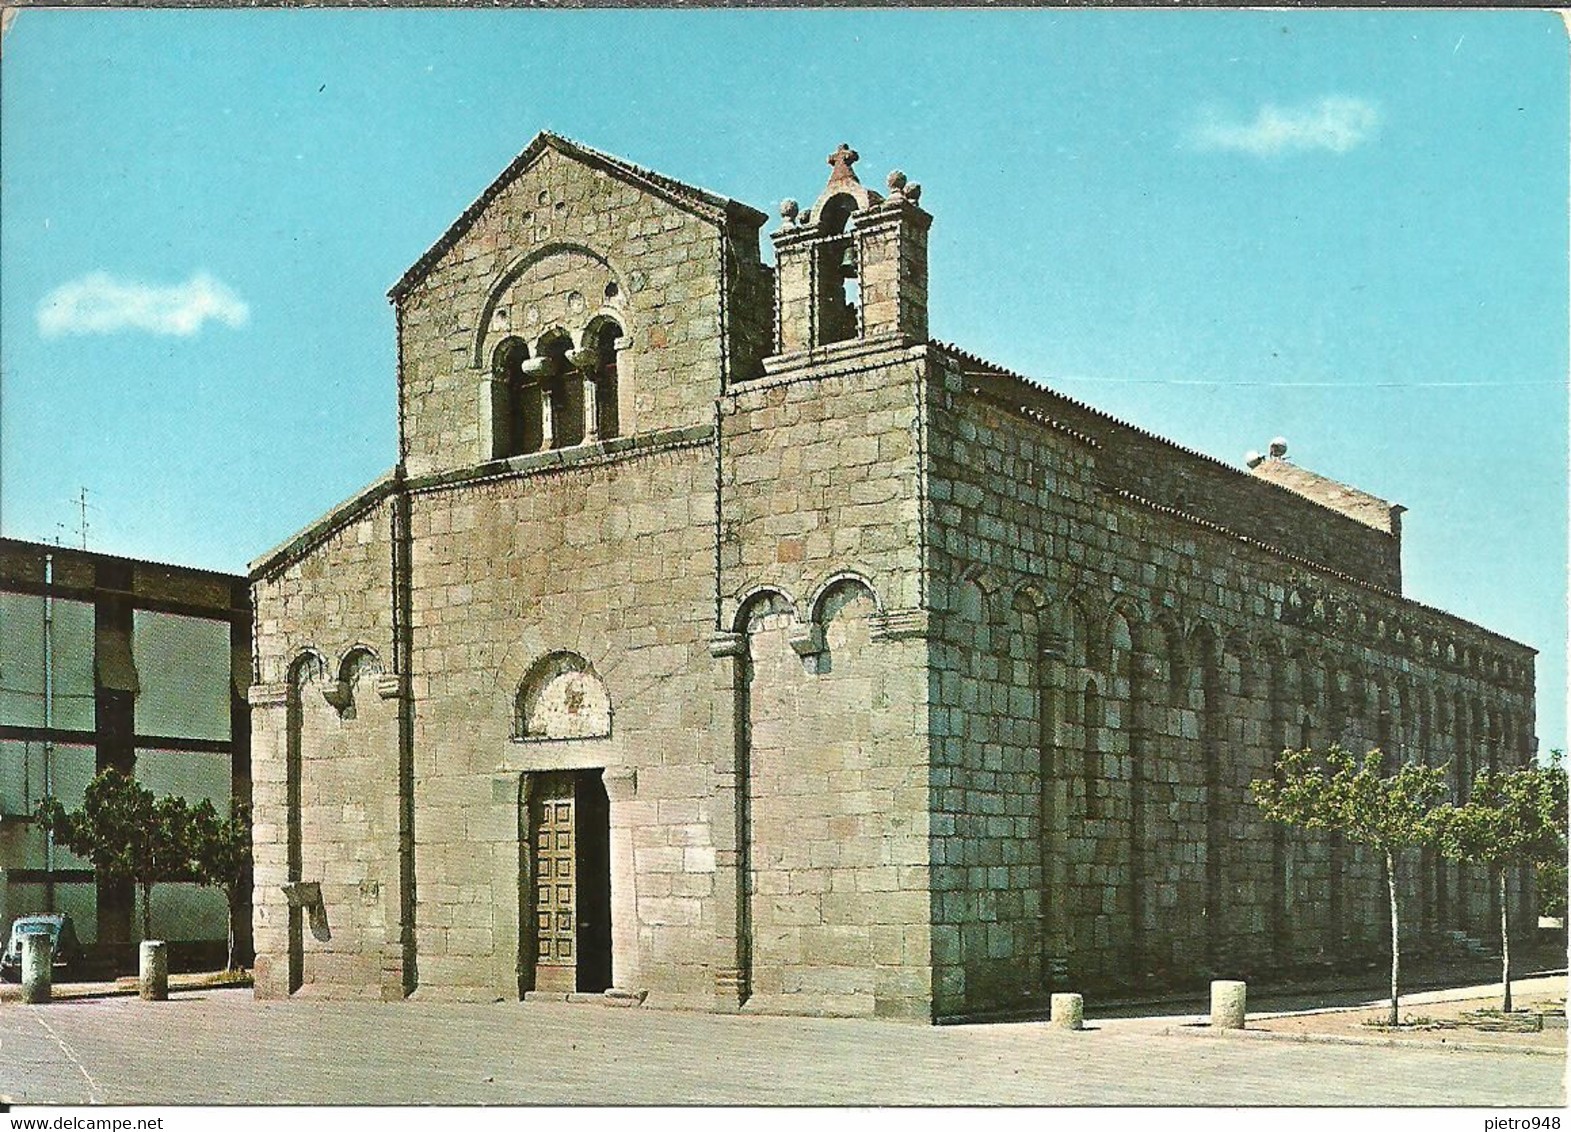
(840, 162)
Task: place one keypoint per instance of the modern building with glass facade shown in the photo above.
(113, 662)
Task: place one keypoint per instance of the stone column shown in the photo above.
(1144, 684)
(496, 422)
(585, 363)
(1277, 738)
(728, 820)
(547, 439)
(591, 409)
(398, 931)
(621, 787)
(626, 367)
(511, 922)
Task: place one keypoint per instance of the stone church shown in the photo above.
(721, 640)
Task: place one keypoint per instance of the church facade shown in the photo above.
(720, 640)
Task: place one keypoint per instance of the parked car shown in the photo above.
(62, 934)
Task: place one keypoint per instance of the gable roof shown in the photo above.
(975, 364)
(709, 206)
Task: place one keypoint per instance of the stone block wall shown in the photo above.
(820, 573)
(325, 766)
(611, 562)
(1111, 674)
(750, 302)
(558, 244)
(837, 805)
(1134, 460)
(992, 526)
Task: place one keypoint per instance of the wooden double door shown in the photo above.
(570, 829)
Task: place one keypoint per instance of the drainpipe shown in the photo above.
(49, 723)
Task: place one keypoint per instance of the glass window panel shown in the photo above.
(183, 665)
(22, 662)
(192, 775)
(186, 912)
(78, 900)
(21, 789)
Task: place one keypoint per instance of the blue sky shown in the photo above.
(1348, 228)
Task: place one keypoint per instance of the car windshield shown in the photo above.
(34, 929)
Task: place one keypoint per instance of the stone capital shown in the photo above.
(727, 644)
(1053, 647)
(807, 640)
(621, 783)
(339, 694)
(267, 695)
(900, 624)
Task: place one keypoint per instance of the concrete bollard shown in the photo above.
(1067, 1011)
(38, 970)
(153, 971)
(1227, 1004)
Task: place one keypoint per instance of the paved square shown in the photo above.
(226, 1047)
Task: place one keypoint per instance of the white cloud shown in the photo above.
(101, 304)
(1335, 123)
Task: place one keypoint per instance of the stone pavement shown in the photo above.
(223, 1046)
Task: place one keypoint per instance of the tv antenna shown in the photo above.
(84, 525)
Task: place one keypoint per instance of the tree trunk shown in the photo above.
(1396, 944)
(147, 911)
(229, 961)
(1505, 946)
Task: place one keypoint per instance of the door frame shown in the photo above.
(526, 798)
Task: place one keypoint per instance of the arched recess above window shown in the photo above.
(561, 697)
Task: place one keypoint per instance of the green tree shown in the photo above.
(1513, 817)
(220, 854)
(126, 833)
(1550, 880)
(1336, 793)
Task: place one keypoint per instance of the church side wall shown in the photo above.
(1163, 473)
(1110, 676)
(325, 775)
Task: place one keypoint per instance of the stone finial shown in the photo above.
(789, 210)
(840, 162)
(902, 189)
(1278, 448)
